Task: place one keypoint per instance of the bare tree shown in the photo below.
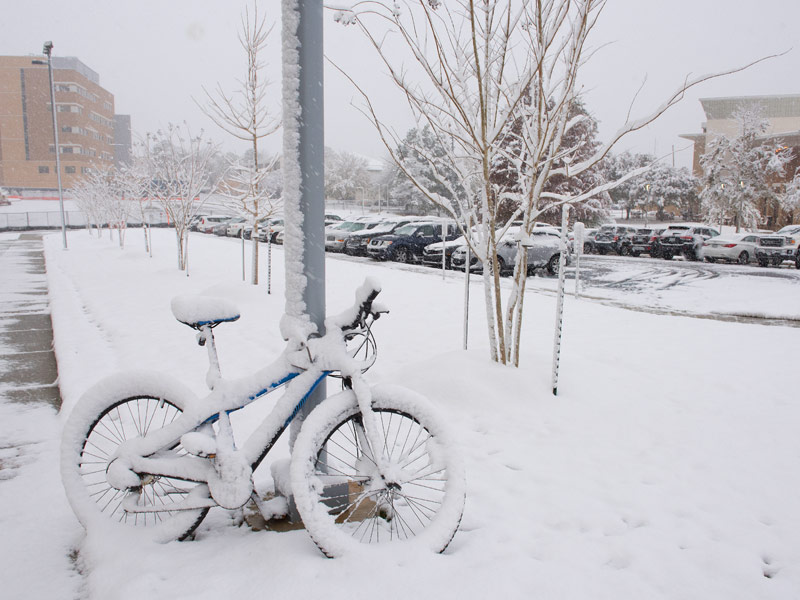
(137, 186)
(178, 163)
(496, 82)
(246, 116)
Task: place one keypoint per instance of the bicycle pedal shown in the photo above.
(199, 444)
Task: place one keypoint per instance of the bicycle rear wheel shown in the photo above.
(113, 411)
(346, 504)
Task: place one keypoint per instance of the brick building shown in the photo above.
(87, 135)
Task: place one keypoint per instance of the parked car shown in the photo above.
(331, 219)
(609, 238)
(783, 245)
(687, 240)
(235, 227)
(644, 240)
(336, 235)
(247, 230)
(195, 221)
(268, 231)
(206, 223)
(588, 240)
(356, 243)
(543, 247)
(432, 253)
(732, 247)
(406, 243)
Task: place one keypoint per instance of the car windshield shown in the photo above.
(385, 227)
(351, 226)
(407, 229)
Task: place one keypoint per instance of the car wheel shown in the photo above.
(635, 254)
(601, 251)
(797, 262)
(553, 264)
(776, 262)
(587, 248)
(710, 259)
(400, 255)
(763, 262)
(624, 251)
(666, 255)
(744, 258)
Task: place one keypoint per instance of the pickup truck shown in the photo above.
(784, 245)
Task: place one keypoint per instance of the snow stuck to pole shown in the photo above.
(295, 323)
(562, 267)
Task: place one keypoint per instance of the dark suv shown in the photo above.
(406, 243)
(610, 238)
(685, 239)
(643, 241)
(357, 242)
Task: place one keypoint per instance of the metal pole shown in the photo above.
(578, 239)
(48, 48)
(311, 146)
(562, 267)
(466, 299)
(269, 256)
(242, 235)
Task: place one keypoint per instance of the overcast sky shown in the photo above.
(155, 57)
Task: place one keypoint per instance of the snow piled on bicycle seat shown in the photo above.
(203, 309)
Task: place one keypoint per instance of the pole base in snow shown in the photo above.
(555, 391)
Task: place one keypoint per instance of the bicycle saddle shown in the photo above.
(197, 311)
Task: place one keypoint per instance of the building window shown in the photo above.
(69, 169)
(43, 169)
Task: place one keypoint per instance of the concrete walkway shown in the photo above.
(37, 553)
(28, 371)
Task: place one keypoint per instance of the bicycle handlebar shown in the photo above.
(365, 297)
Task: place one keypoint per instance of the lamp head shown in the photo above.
(48, 48)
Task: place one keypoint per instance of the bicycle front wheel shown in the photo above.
(113, 411)
(347, 503)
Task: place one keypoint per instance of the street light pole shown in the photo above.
(48, 49)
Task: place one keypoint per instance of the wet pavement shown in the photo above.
(28, 370)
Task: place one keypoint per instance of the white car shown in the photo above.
(206, 223)
(731, 247)
(235, 227)
(543, 247)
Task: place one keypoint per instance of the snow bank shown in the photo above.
(665, 469)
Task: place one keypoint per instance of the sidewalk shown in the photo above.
(28, 371)
(32, 503)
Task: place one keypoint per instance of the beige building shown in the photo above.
(783, 115)
(85, 115)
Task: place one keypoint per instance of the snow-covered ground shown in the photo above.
(667, 466)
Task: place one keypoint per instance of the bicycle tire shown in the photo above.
(346, 506)
(116, 409)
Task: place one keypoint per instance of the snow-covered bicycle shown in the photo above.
(371, 464)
